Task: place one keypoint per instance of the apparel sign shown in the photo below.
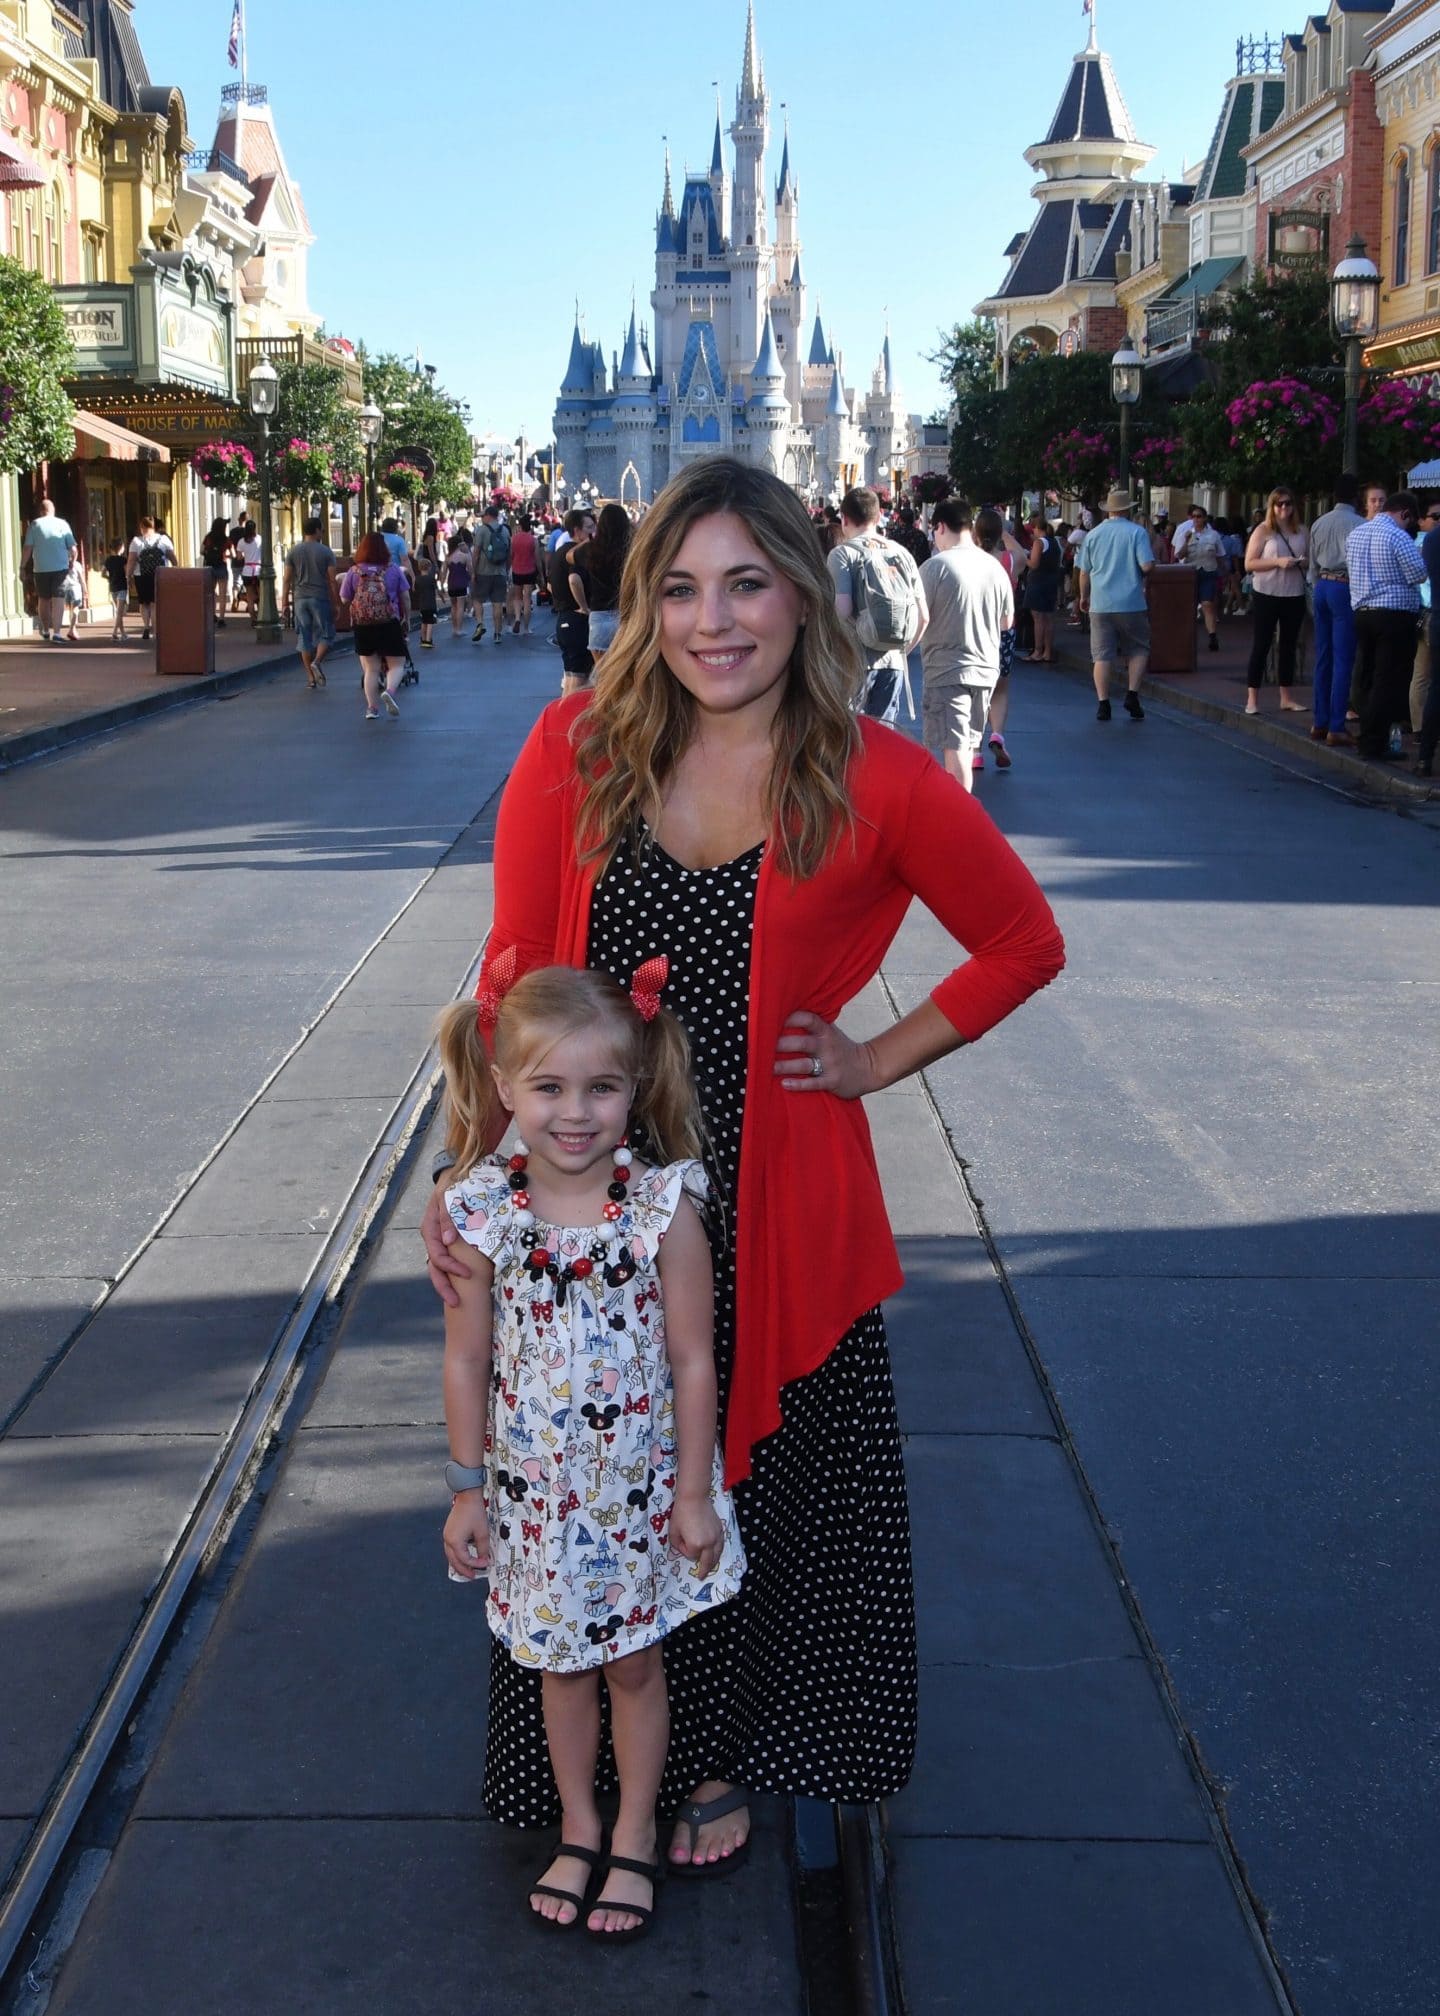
(97, 327)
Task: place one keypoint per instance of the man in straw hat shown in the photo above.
(1114, 561)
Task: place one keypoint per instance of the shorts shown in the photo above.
(380, 640)
(457, 586)
(1119, 633)
(603, 625)
(572, 634)
(523, 580)
(1042, 594)
(48, 585)
(953, 717)
(219, 573)
(144, 589)
(120, 597)
(1207, 587)
(488, 588)
(314, 624)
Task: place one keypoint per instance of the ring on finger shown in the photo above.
(816, 1067)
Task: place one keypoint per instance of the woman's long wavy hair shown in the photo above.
(641, 719)
(542, 1007)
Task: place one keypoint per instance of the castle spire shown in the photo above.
(752, 76)
(785, 186)
(717, 152)
(667, 208)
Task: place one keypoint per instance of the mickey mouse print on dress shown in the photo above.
(580, 1447)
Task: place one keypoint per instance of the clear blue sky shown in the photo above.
(470, 171)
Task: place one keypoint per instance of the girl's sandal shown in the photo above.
(697, 1813)
(645, 1913)
(592, 1858)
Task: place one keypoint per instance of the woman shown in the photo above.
(1275, 561)
(714, 798)
(524, 572)
(249, 552)
(1042, 588)
(380, 607)
(459, 568)
(595, 570)
(992, 537)
(432, 548)
(215, 553)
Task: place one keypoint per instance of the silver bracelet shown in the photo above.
(459, 1478)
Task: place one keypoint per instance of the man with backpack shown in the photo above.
(150, 550)
(878, 591)
(492, 573)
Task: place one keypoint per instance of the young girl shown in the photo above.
(457, 580)
(580, 1390)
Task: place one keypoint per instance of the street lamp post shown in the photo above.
(1355, 314)
(264, 391)
(372, 426)
(1126, 371)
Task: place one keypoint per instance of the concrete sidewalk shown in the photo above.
(1216, 691)
(55, 694)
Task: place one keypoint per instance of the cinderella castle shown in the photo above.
(731, 371)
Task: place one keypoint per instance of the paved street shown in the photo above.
(1204, 1161)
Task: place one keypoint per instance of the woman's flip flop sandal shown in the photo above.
(645, 1913)
(592, 1857)
(695, 1814)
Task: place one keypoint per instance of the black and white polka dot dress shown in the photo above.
(807, 1682)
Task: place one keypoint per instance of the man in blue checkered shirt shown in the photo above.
(1385, 575)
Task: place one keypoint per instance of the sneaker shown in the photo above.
(1214, 640)
(1002, 754)
(392, 705)
(479, 636)
(1102, 712)
(977, 761)
(1133, 707)
(372, 713)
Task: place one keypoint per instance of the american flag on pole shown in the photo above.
(237, 29)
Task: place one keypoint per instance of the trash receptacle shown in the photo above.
(184, 621)
(1170, 598)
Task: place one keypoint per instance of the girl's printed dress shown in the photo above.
(580, 1448)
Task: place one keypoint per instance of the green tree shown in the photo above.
(313, 408)
(1000, 439)
(36, 417)
(420, 415)
(966, 356)
(1276, 326)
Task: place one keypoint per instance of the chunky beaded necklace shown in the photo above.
(543, 1256)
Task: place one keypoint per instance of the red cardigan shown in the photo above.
(814, 1247)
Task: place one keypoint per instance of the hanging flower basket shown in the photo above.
(506, 497)
(1080, 462)
(302, 470)
(344, 483)
(1285, 430)
(1400, 426)
(403, 479)
(1157, 459)
(932, 488)
(225, 465)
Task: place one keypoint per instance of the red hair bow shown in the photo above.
(495, 983)
(650, 977)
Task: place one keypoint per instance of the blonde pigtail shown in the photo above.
(474, 1116)
(666, 1103)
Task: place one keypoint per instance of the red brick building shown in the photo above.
(1320, 170)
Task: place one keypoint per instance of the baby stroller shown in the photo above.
(409, 677)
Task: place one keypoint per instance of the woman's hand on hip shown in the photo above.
(437, 1229)
(814, 1056)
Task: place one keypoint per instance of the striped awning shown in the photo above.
(18, 167)
(107, 440)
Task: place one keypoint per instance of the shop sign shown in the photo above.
(99, 325)
(1296, 237)
(192, 345)
(1412, 355)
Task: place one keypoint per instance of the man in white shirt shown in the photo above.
(971, 605)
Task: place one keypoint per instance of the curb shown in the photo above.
(54, 735)
(1381, 780)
